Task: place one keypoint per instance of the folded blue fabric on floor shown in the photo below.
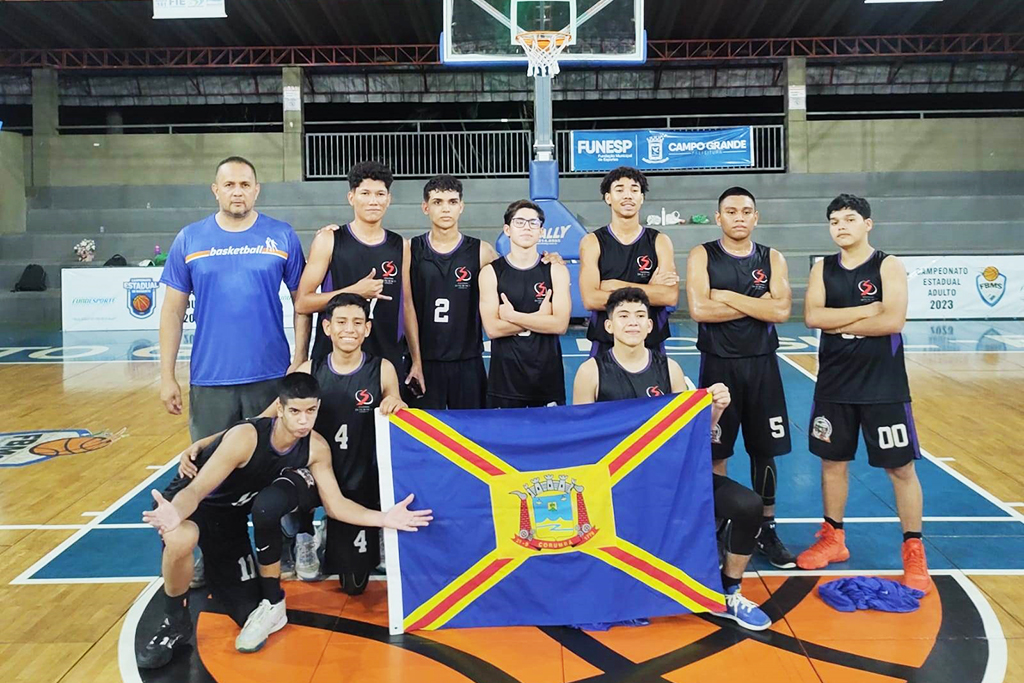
(869, 592)
(605, 625)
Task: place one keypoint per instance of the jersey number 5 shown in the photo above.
(778, 428)
(342, 437)
(441, 307)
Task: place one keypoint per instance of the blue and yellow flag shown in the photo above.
(548, 516)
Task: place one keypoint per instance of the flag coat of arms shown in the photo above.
(551, 516)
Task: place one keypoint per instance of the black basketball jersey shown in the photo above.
(615, 382)
(447, 298)
(265, 465)
(351, 262)
(853, 369)
(634, 262)
(527, 365)
(747, 275)
(346, 421)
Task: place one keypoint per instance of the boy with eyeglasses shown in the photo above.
(524, 307)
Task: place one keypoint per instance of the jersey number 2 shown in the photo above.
(441, 307)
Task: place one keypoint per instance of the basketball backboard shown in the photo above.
(483, 32)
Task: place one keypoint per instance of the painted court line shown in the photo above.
(938, 463)
(82, 531)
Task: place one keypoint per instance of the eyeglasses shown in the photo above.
(533, 223)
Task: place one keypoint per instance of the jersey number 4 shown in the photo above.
(342, 437)
(360, 541)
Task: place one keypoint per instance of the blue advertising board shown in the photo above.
(653, 150)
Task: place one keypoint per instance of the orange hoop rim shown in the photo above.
(543, 40)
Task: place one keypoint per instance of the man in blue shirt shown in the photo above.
(234, 262)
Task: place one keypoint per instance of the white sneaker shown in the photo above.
(307, 564)
(262, 621)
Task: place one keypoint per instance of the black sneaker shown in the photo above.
(770, 545)
(160, 649)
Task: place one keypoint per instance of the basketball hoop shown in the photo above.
(542, 49)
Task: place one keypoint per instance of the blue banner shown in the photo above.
(552, 516)
(654, 150)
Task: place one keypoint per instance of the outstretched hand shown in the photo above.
(402, 518)
(165, 517)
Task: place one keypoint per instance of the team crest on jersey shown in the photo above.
(867, 289)
(716, 433)
(27, 448)
(655, 391)
(141, 296)
(760, 279)
(388, 272)
(644, 265)
(540, 289)
(991, 285)
(552, 514)
(821, 429)
(364, 401)
(463, 277)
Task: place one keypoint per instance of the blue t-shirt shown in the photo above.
(236, 277)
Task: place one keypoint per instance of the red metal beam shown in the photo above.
(772, 49)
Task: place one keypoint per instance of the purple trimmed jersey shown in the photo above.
(446, 292)
(851, 368)
(351, 261)
(748, 275)
(236, 278)
(633, 262)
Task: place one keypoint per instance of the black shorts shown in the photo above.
(231, 571)
(353, 549)
(457, 385)
(888, 428)
(507, 402)
(758, 405)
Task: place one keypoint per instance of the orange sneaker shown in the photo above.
(915, 566)
(830, 547)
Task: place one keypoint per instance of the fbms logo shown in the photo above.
(620, 146)
(141, 296)
(26, 448)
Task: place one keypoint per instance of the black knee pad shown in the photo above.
(764, 477)
(307, 497)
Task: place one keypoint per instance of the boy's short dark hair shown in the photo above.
(236, 160)
(370, 170)
(442, 183)
(627, 295)
(624, 172)
(510, 212)
(297, 385)
(346, 299)
(736, 191)
(851, 202)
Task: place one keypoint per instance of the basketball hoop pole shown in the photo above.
(543, 144)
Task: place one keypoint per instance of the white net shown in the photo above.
(542, 49)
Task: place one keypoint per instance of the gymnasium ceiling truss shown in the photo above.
(659, 52)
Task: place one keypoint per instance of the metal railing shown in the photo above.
(413, 154)
(480, 153)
